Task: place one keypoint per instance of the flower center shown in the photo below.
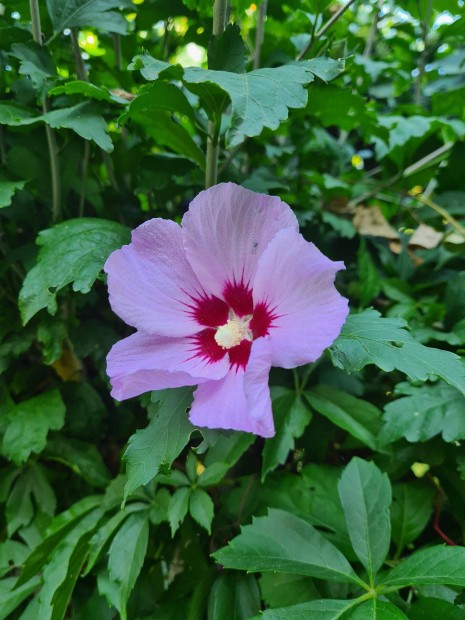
(234, 331)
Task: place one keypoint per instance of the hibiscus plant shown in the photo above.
(232, 312)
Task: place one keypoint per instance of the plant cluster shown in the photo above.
(117, 111)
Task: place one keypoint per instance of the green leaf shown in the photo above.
(78, 87)
(152, 69)
(98, 13)
(7, 191)
(161, 442)
(428, 607)
(201, 508)
(153, 110)
(101, 537)
(55, 533)
(324, 68)
(84, 120)
(226, 52)
(14, 115)
(71, 252)
(423, 412)
(367, 338)
(434, 565)
(126, 557)
(225, 453)
(82, 457)
(410, 511)
(281, 542)
(282, 589)
(63, 567)
(12, 555)
(11, 596)
(356, 416)
(234, 596)
(291, 417)
(178, 507)
(376, 610)
(330, 609)
(28, 424)
(36, 62)
(259, 99)
(366, 497)
(323, 506)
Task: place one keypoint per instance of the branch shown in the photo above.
(51, 138)
(324, 28)
(211, 170)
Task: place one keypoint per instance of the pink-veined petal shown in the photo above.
(241, 400)
(142, 362)
(151, 283)
(226, 230)
(296, 282)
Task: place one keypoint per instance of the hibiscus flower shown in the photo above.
(219, 300)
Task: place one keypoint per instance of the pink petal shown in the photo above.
(226, 230)
(151, 283)
(143, 362)
(296, 283)
(240, 401)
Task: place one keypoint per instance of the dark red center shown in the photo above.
(213, 312)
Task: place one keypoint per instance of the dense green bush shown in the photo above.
(114, 112)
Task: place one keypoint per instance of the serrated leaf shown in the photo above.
(28, 423)
(281, 542)
(178, 507)
(78, 87)
(410, 511)
(84, 119)
(152, 69)
(71, 252)
(36, 62)
(434, 565)
(358, 417)
(330, 609)
(291, 417)
(201, 508)
(226, 52)
(161, 442)
(153, 111)
(7, 191)
(98, 13)
(234, 596)
(367, 338)
(365, 494)
(126, 557)
(260, 98)
(423, 412)
(377, 610)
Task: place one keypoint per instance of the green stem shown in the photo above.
(211, 171)
(118, 52)
(260, 33)
(324, 28)
(35, 19)
(81, 71)
(51, 139)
